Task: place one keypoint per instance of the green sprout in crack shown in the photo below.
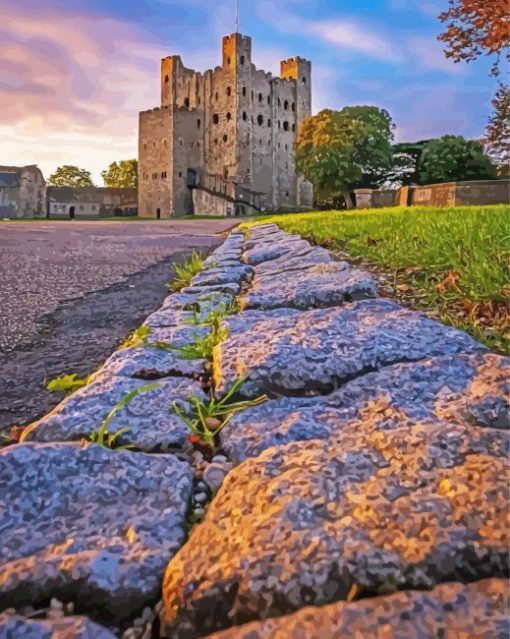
(212, 316)
(102, 435)
(186, 271)
(140, 337)
(67, 383)
(203, 347)
(210, 417)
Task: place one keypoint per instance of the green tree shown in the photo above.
(122, 174)
(338, 151)
(69, 175)
(454, 159)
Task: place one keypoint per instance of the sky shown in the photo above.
(75, 73)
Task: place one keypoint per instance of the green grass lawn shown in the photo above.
(453, 261)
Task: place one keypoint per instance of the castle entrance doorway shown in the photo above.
(71, 212)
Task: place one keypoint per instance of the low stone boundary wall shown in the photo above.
(482, 192)
(377, 464)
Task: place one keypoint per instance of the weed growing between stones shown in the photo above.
(102, 436)
(210, 417)
(67, 383)
(222, 310)
(203, 347)
(140, 337)
(185, 272)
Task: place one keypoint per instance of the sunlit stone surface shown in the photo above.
(17, 627)
(372, 510)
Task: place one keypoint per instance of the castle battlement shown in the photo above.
(234, 121)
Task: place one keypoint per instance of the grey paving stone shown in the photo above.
(89, 525)
(230, 288)
(316, 351)
(451, 610)
(368, 512)
(151, 421)
(317, 255)
(196, 301)
(17, 627)
(223, 275)
(285, 246)
(168, 316)
(318, 286)
(470, 389)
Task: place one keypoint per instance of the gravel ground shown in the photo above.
(71, 291)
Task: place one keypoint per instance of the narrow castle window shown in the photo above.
(186, 102)
(260, 97)
(145, 147)
(180, 173)
(286, 105)
(215, 118)
(215, 140)
(303, 80)
(279, 102)
(293, 106)
(180, 141)
(252, 95)
(216, 96)
(286, 147)
(228, 61)
(242, 59)
(285, 126)
(167, 79)
(225, 138)
(260, 120)
(245, 116)
(268, 122)
(229, 91)
(279, 124)
(293, 127)
(286, 194)
(244, 91)
(269, 99)
(199, 100)
(198, 123)
(229, 115)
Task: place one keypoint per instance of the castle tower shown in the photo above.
(228, 132)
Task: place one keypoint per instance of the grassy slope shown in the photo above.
(453, 260)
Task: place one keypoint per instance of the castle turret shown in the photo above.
(300, 70)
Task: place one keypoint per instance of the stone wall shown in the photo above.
(28, 198)
(482, 192)
(207, 202)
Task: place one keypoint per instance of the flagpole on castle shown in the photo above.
(237, 16)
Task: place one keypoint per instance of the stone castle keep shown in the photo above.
(222, 142)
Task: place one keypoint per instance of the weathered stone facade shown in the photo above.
(229, 131)
(22, 192)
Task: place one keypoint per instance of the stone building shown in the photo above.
(22, 192)
(222, 141)
(90, 202)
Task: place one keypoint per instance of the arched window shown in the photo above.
(225, 138)
(269, 99)
(303, 80)
(228, 61)
(216, 96)
(241, 59)
(215, 118)
(260, 120)
(229, 91)
(244, 91)
(286, 105)
(260, 97)
(293, 127)
(198, 123)
(268, 122)
(245, 116)
(167, 79)
(285, 126)
(293, 106)
(186, 102)
(279, 102)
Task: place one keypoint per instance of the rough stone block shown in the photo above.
(223, 275)
(229, 288)
(286, 246)
(151, 421)
(317, 255)
(17, 627)
(451, 610)
(89, 525)
(366, 513)
(316, 351)
(470, 389)
(317, 286)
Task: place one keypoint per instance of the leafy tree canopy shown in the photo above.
(454, 159)
(474, 27)
(69, 175)
(121, 174)
(339, 151)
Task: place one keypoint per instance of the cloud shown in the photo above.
(350, 36)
